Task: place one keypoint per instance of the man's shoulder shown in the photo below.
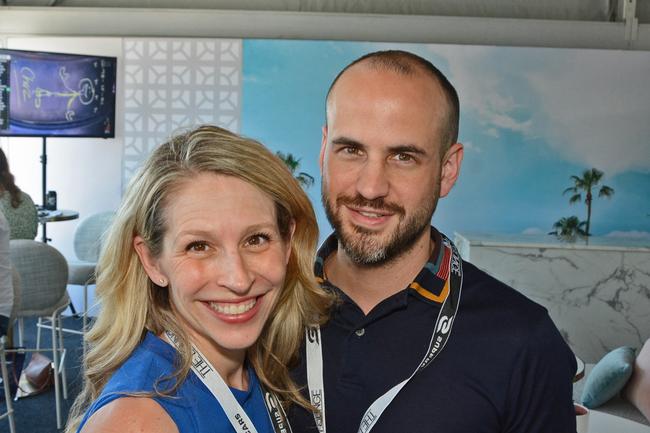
(478, 283)
(489, 299)
(507, 318)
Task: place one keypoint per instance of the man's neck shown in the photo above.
(367, 286)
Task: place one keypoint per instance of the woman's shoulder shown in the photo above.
(128, 393)
(130, 415)
(151, 360)
(26, 198)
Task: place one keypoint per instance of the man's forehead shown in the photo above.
(362, 85)
(359, 79)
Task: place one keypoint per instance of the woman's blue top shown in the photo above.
(192, 407)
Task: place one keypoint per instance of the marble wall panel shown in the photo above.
(599, 298)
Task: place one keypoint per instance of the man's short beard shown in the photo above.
(362, 246)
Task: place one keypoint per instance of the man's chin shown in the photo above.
(364, 249)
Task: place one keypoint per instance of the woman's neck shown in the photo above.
(230, 364)
(233, 373)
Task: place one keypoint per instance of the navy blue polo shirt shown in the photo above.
(505, 367)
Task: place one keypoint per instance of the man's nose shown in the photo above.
(372, 181)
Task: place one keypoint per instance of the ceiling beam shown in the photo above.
(117, 22)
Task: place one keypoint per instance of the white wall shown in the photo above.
(85, 172)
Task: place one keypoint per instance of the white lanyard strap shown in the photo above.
(315, 375)
(439, 337)
(213, 381)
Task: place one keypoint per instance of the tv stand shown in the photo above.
(44, 237)
(44, 171)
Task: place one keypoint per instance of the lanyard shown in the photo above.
(219, 389)
(439, 337)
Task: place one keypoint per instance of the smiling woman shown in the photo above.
(206, 286)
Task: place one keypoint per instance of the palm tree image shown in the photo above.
(569, 228)
(585, 184)
(305, 180)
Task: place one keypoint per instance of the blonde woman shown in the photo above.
(206, 285)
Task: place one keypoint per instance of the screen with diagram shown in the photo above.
(56, 95)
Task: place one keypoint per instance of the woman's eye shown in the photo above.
(258, 239)
(198, 247)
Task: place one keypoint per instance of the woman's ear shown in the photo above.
(149, 262)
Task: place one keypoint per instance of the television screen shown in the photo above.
(56, 95)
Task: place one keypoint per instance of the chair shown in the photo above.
(43, 275)
(9, 412)
(87, 244)
(4, 373)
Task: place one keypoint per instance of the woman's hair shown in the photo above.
(7, 181)
(131, 303)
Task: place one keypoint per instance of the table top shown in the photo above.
(49, 216)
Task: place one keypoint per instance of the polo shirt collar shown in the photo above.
(428, 285)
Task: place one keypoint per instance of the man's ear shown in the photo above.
(450, 169)
(323, 144)
(149, 262)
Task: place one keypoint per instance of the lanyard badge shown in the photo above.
(238, 418)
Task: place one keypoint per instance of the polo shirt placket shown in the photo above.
(372, 356)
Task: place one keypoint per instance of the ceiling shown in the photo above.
(620, 24)
(576, 10)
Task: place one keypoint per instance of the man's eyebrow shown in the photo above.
(407, 148)
(346, 141)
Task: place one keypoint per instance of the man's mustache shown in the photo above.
(378, 204)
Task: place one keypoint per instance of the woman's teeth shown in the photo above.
(233, 309)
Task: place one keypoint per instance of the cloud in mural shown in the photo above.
(588, 108)
(471, 146)
(594, 111)
(533, 231)
(250, 78)
(632, 234)
(481, 88)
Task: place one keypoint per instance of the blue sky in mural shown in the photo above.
(530, 118)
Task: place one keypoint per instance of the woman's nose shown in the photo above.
(234, 273)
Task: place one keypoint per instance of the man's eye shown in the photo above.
(198, 247)
(351, 151)
(404, 157)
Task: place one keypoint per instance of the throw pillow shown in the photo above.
(637, 391)
(608, 377)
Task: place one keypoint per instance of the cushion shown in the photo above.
(608, 377)
(637, 391)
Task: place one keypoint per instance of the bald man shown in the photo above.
(420, 340)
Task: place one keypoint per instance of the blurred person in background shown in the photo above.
(16, 205)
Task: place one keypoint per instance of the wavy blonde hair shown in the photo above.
(128, 311)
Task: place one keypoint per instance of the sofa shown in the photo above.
(618, 386)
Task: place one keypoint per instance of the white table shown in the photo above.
(600, 422)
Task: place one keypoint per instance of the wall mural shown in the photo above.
(531, 120)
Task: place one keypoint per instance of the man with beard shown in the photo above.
(403, 351)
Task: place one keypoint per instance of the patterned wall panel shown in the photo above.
(176, 83)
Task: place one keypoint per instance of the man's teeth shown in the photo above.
(233, 309)
(370, 214)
